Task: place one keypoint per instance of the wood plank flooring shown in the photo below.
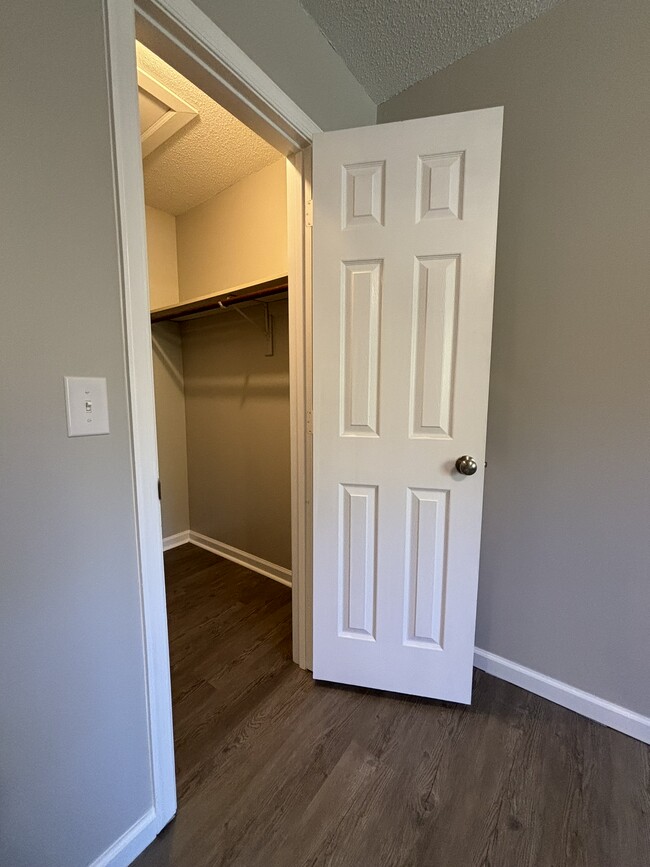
(275, 770)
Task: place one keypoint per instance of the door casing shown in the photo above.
(186, 38)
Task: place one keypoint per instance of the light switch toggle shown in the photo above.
(86, 405)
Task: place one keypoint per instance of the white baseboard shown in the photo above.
(176, 540)
(250, 561)
(132, 842)
(598, 709)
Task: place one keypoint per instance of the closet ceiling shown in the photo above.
(390, 45)
(210, 153)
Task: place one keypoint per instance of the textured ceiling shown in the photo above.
(210, 154)
(388, 45)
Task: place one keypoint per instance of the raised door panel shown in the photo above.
(440, 186)
(357, 566)
(426, 557)
(360, 319)
(433, 344)
(362, 200)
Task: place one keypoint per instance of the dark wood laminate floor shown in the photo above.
(275, 770)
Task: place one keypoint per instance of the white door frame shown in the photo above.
(185, 37)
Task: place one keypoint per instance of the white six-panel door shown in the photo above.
(404, 245)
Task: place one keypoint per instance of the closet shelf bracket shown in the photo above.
(267, 329)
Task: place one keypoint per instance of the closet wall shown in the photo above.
(162, 257)
(234, 446)
(239, 236)
(237, 398)
(237, 412)
(168, 373)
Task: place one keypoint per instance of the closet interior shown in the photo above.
(216, 219)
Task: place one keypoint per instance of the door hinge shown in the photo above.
(310, 422)
(309, 213)
(159, 490)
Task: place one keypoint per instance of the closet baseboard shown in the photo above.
(250, 561)
(176, 540)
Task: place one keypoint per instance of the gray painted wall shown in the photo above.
(288, 45)
(74, 768)
(565, 583)
(238, 442)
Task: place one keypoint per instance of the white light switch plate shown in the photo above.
(86, 403)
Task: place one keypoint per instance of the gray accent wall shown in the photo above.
(74, 753)
(565, 564)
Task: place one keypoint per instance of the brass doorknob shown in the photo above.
(466, 465)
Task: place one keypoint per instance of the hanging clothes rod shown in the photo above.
(220, 302)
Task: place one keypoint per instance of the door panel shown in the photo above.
(361, 305)
(433, 332)
(404, 247)
(425, 568)
(358, 543)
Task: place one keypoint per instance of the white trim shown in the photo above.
(176, 540)
(127, 847)
(180, 32)
(250, 561)
(300, 375)
(179, 113)
(600, 710)
(129, 195)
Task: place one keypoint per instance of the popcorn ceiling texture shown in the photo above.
(388, 45)
(208, 155)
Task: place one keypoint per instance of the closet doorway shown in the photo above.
(184, 38)
(216, 220)
(215, 197)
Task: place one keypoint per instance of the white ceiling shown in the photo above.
(214, 150)
(388, 45)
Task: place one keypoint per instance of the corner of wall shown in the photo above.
(285, 41)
